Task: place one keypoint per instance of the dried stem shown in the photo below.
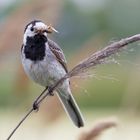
(97, 129)
(99, 56)
(90, 62)
(29, 112)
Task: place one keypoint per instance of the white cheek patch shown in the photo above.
(27, 33)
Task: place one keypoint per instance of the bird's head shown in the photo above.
(37, 27)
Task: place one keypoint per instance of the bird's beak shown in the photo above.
(40, 31)
(51, 29)
(47, 29)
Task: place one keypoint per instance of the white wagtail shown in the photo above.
(44, 62)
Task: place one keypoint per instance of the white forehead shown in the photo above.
(40, 25)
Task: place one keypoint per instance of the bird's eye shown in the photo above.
(32, 29)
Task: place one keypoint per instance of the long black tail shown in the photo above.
(72, 109)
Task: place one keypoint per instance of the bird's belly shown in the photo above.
(44, 73)
(37, 71)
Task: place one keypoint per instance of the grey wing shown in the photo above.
(57, 51)
(69, 103)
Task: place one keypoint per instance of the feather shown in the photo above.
(57, 51)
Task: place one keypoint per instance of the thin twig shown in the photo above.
(29, 112)
(90, 62)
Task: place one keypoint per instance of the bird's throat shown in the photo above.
(35, 47)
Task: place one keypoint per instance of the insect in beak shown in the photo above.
(47, 29)
(51, 29)
(40, 31)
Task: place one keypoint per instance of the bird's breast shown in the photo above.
(34, 48)
(44, 72)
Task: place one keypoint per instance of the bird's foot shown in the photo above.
(35, 106)
(50, 90)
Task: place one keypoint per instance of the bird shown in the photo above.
(44, 63)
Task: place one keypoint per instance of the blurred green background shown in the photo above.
(84, 26)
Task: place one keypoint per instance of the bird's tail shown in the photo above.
(72, 109)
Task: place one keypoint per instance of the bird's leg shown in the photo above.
(35, 105)
(50, 91)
